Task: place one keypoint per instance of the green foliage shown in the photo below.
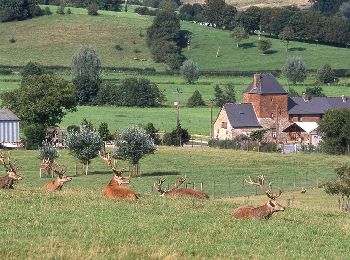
(287, 35)
(153, 133)
(195, 100)
(314, 91)
(335, 131)
(69, 11)
(47, 10)
(47, 151)
(133, 144)
(190, 12)
(72, 128)
(189, 70)
(92, 9)
(32, 68)
(84, 145)
(294, 70)
(344, 10)
(327, 7)
(41, 99)
(60, 9)
(293, 93)
(219, 96)
(250, 18)
(163, 37)
(228, 95)
(264, 45)
(326, 74)
(178, 137)
(258, 135)
(239, 34)
(12, 40)
(219, 13)
(104, 132)
(34, 134)
(18, 10)
(86, 67)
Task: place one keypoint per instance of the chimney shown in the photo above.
(344, 98)
(256, 81)
(306, 97)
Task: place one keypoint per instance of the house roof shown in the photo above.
(315, 105)
(241, 115)
(264, 83)
(8, 115)
(307, 127)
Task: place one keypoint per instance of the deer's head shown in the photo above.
(11, 171)
(60, 172)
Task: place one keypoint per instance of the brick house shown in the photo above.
(266, 105)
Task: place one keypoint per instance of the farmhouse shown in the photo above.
(9, 128)
(266, 105)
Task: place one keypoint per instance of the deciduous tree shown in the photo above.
(294, 70)
(195, 100)
(189, 71)
(286, 35)
(239, 34)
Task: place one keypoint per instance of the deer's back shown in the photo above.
(190, 193)
(118, 192)
(51, 186)
(249, 212)
(5, 182)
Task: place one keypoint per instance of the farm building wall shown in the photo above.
(9, 132)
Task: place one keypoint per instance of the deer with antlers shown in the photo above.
(61, 179)
(7, 181)
(175, 191)
(114, 188)
(265, 211)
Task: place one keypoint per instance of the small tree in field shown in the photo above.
(295, 70)
(326, 74)
(195, 100)
(84, 145)
(264, 45)
(286, 36)
(239, 34)
(341, 186)
(48, 153)
(189, 70)
(132, 144)
(153, 132)
(104, 132)
(258, 135)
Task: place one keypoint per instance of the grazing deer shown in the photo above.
(61, 179)
(263, 212)
(7, 181)
(182, 192)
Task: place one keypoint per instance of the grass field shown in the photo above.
(52, 40)
(80, 223)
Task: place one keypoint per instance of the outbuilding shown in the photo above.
(9, 128)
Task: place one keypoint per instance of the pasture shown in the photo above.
(80, 223)
(52, 40)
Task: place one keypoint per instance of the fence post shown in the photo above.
(214, 190)
(201, 185)
(229, 189)
(295, 180)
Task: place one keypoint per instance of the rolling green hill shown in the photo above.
(52, 40)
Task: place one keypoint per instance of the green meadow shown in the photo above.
(80, 223)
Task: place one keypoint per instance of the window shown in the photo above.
(224, 125)
(272, 115)
(274, 134)
(300, 118)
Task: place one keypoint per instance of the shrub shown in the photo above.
(92, 9)
(137, 51)
(153, 133)
(69, 11)
(60, 10)
(178, 137)
(326, 74)
(295, 70)
(12, 40)
(47, 10)
(264, 45)
(118, 47)
(195, 100)
(35, 134)
(32, 68)
(189, 71)
(74, 128)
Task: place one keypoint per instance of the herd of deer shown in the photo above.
(115, 189)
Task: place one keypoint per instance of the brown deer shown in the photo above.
(7, 181)
(182, 192)
(263, 212)
(47, 166)
(61, 179)
(114, 188)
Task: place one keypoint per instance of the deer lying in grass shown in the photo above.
(114, 188)
(263, 212)
(61, 179)
(182, 192)
(7, 181)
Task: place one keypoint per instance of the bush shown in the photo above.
(326, 74)
(60, 10)
(178, 137)
(153, 133)
(118, 47)
(264, 45)
(92, 9)
(32, 68)
(35, 134)
(189, 71)
(195, 100)
(69, 11)
(295, 70)
(12, 40)
(137, 51)
(47, 10)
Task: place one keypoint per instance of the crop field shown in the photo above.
(52, 40)
(80, 223)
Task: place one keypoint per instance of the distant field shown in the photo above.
(80, 223)
(52, 40)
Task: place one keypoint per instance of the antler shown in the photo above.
(58, 169)
(260, 184)
(158, 184)
(271, 195)
(178, 182)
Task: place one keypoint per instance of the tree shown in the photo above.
(35, 134)
(344, 10)
(86, 66)
(229, 93)
(314, 91)
(153, 133)
(32, 68)
(334, 128)
(293, 93)
(327, 7)
(18, 10)
(341, 186)
(220, 14)
(239, 34)
(258, 135)
(195, 100)
(250, 19)
(41, 100)
(92, 9)
(178, 137)
(294, 70)
(133, 144)
(84, 145)
(189, 71)
(264, 45)
(286, 35)
(219, 96)
(48, 152)
(326, 74)
(104, 132)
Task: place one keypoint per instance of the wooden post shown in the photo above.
(217, 53)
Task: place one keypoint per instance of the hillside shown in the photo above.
(52, 40)
(244, 4)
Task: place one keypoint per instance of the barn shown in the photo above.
(9, 127)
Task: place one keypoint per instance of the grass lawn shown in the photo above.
(80, 223)
(52, 40)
